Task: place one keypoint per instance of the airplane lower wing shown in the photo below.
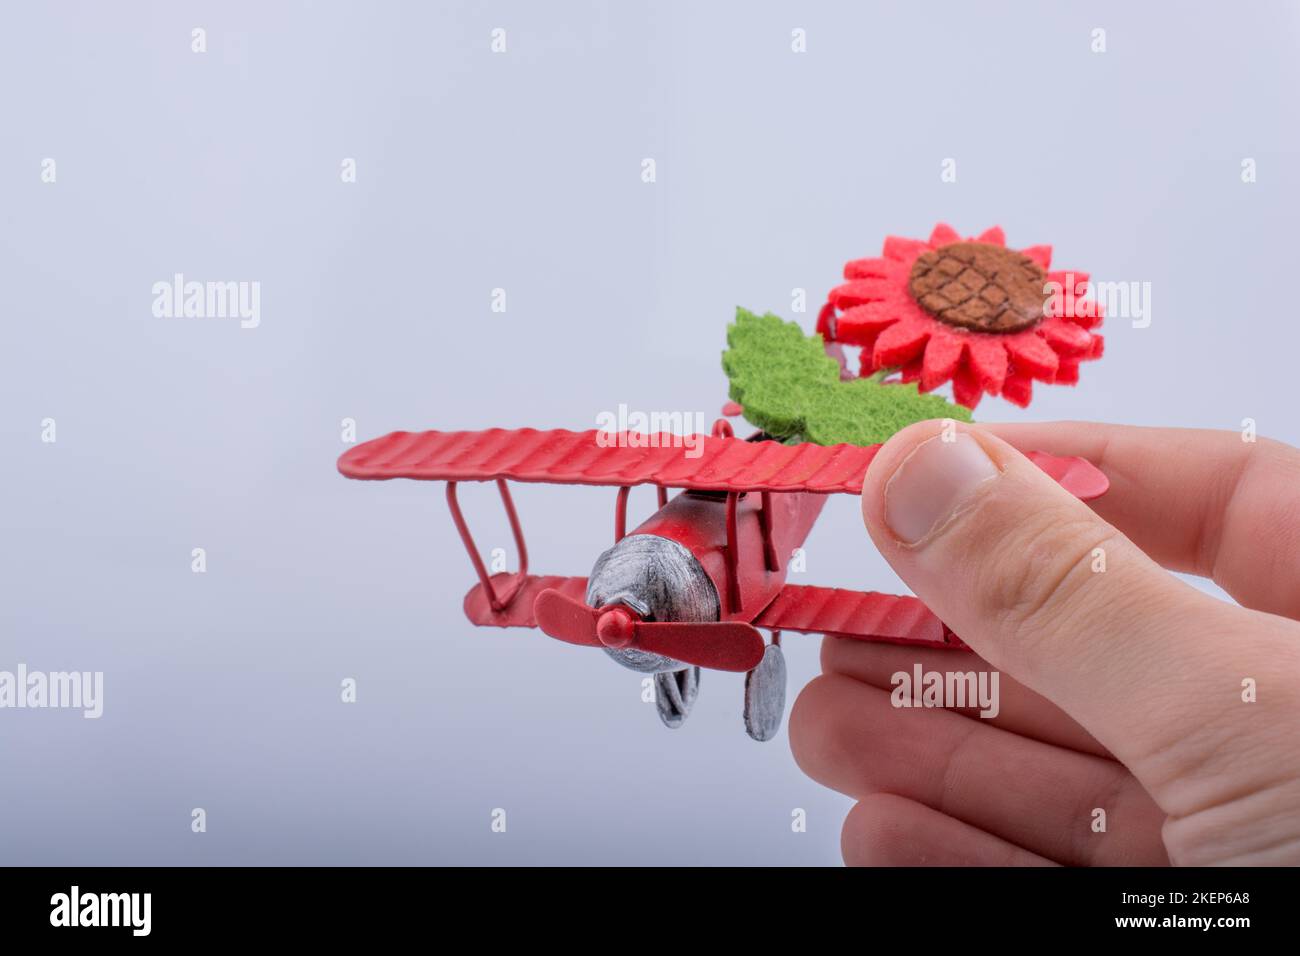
(519, 612)
(806, 609)
(865, 615)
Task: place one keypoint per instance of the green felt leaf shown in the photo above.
(791, 388)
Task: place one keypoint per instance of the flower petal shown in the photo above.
(988, 361)
(900, 343)
(1067, 373)
(1031, 356)
(943, 235)
(904, 250)
(826, 322)
(1070, 281)
(941, 357)
(1019, 390)
(911, 372)
(874, 269)
(1066, 338)
(965, 389)
(994, 236)
(863, 290)
(865, 365)
(1098, 346)
(1042, 255)
(1086, 313)
(861, 324)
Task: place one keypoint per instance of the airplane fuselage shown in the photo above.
(698, 521)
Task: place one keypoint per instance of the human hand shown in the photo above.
(1123, 690)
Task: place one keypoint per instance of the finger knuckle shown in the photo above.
(1041, 576)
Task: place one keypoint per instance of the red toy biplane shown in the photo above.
(691, 586)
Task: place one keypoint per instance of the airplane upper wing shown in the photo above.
(866, 615)
(558, 456)
(706, 463)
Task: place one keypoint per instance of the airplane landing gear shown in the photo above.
(765, 693)
(675, 693)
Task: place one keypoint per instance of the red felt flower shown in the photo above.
(973, 312)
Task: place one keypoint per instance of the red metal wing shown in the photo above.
(865, 615)
(600, 458)
(1078, 476)
(710, 463)
(519, 612)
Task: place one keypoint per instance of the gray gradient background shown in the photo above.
(519, 170)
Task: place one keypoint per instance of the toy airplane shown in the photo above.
(691, 586)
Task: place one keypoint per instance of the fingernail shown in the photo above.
(934, 484)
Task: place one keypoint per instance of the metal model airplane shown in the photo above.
(691, 586)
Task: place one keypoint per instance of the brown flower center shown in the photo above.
(978, 286)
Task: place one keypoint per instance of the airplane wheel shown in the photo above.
(675, 693)
(765, 695)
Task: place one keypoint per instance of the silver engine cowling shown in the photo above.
(659, 579)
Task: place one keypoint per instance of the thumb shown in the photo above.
(1043, 588)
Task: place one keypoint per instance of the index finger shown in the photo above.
(1206, 502)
